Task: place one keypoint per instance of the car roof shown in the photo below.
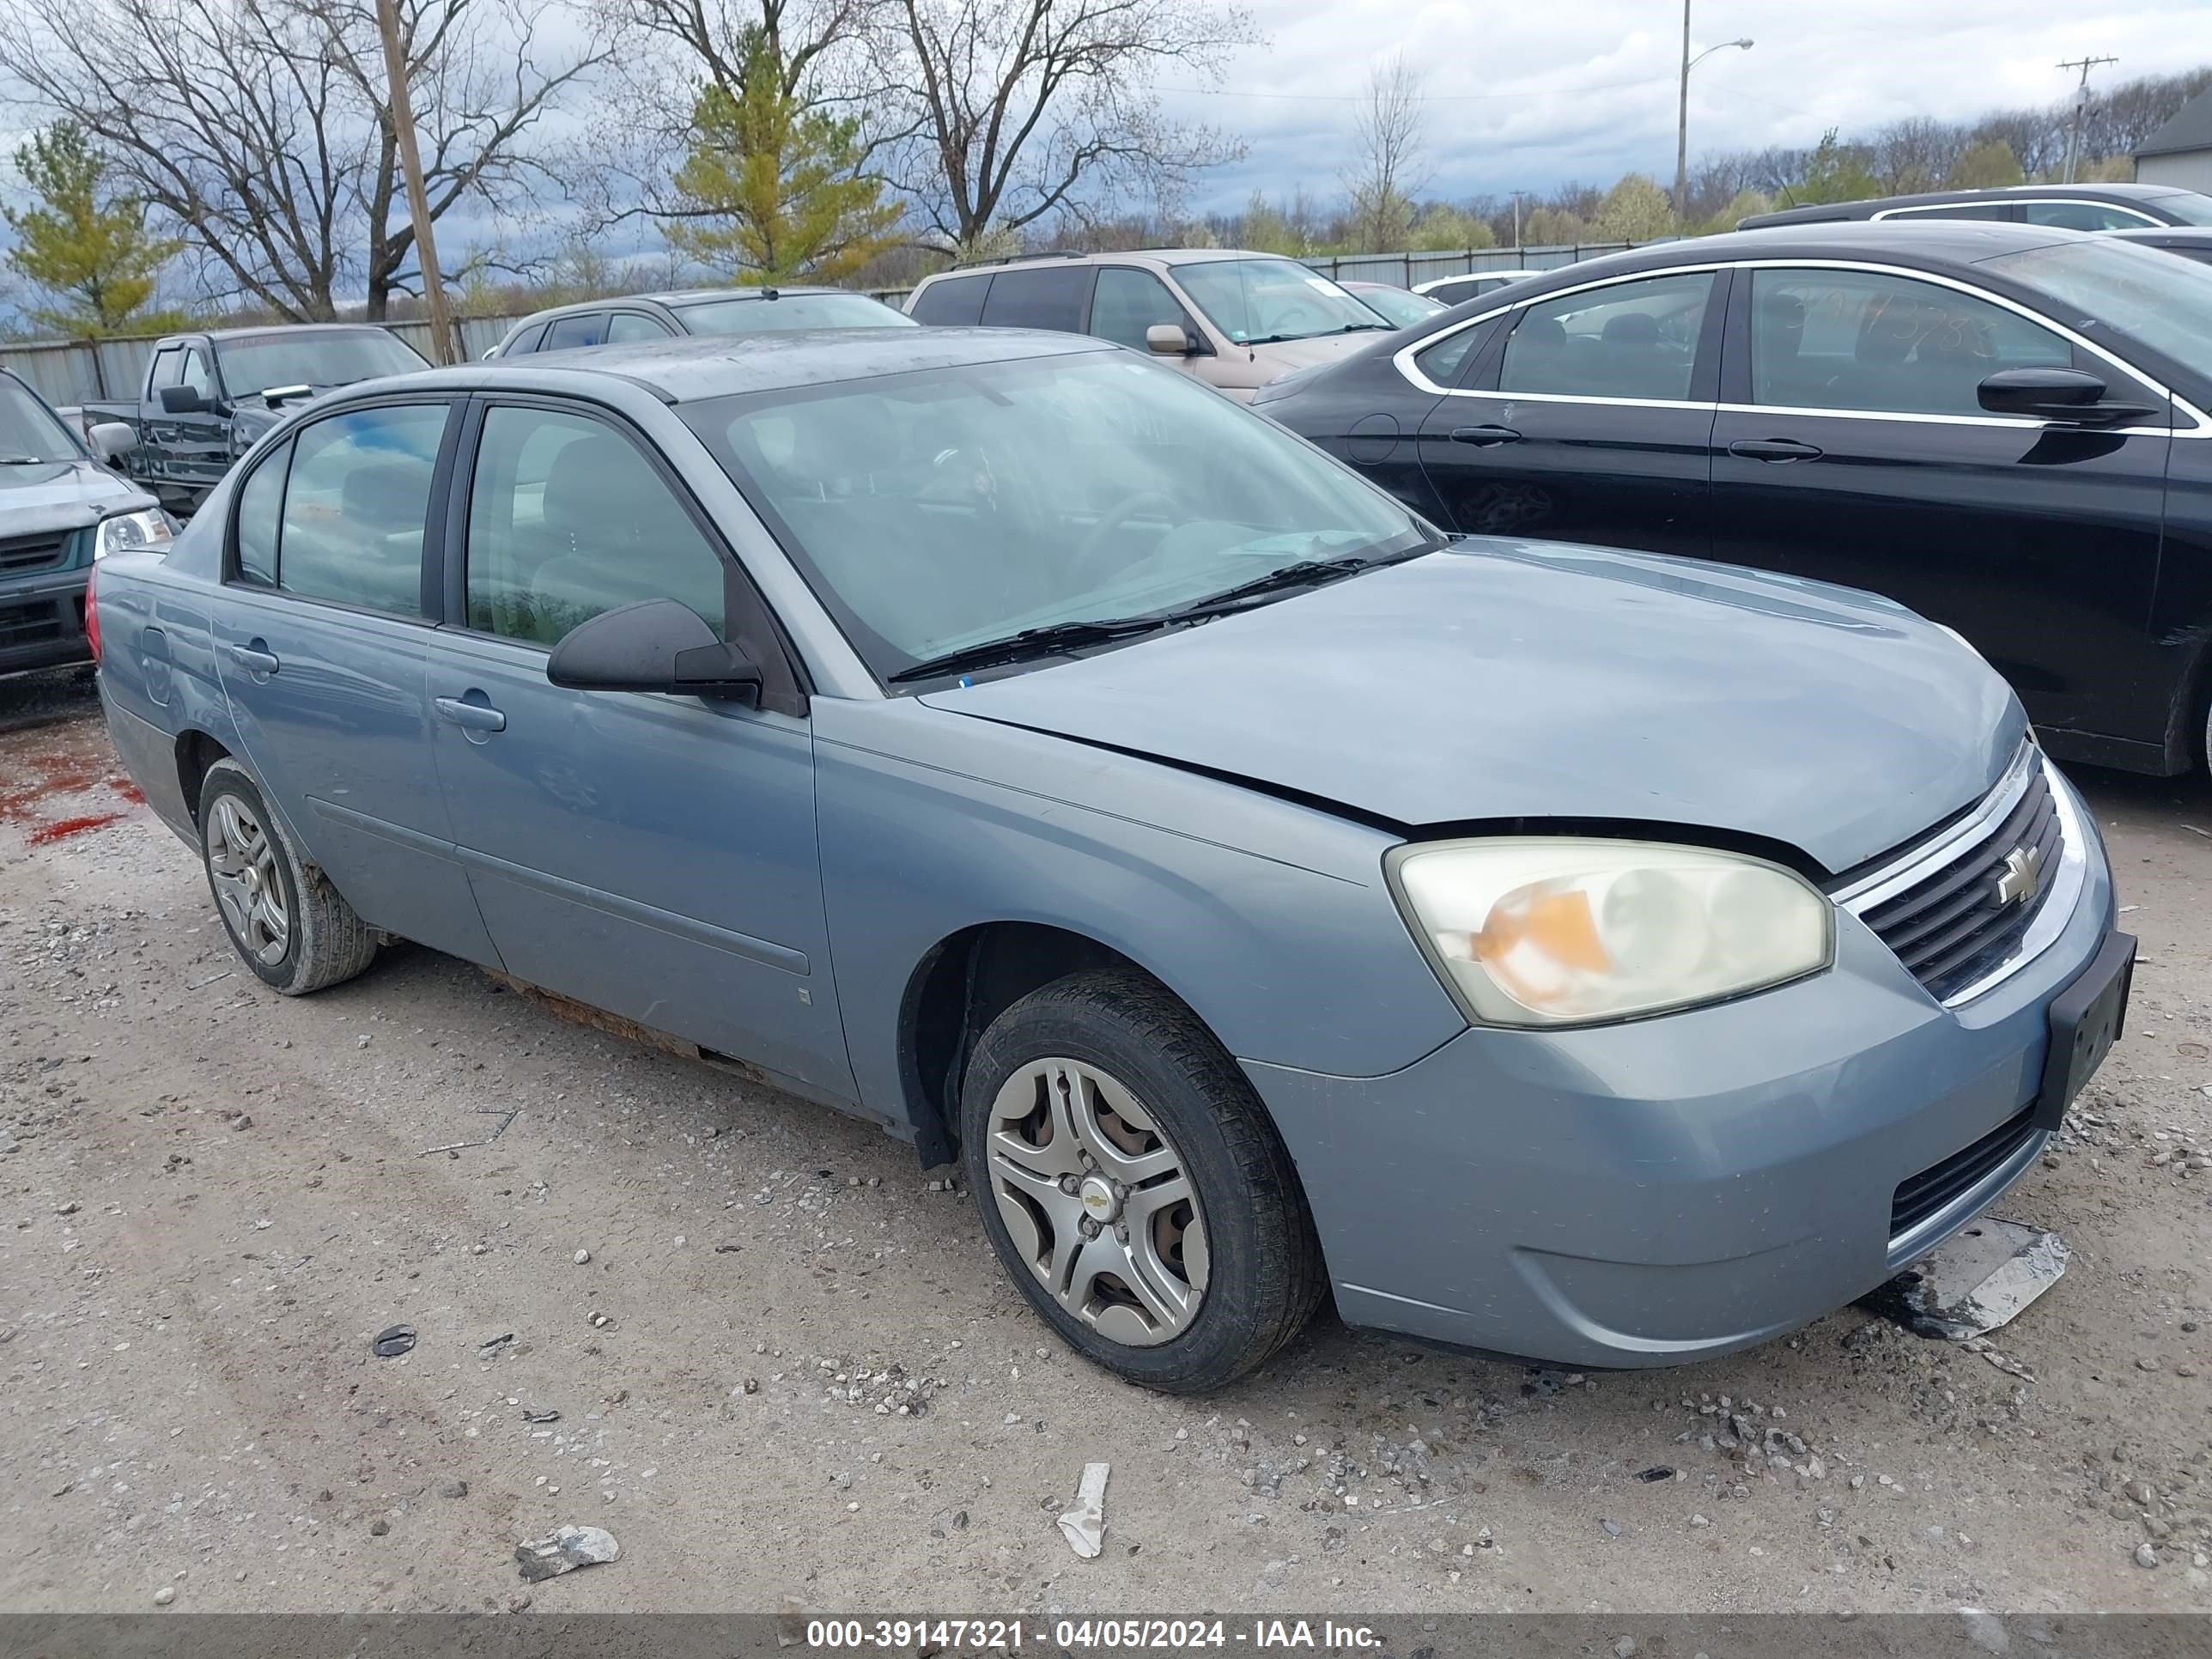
(1158, 256)
(275, 331)
(677, 298)
(694, 367)
(1942, 240)
(1814, 212)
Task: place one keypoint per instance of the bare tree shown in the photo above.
(1018, 109)
(1388, 143)
(1914, 153)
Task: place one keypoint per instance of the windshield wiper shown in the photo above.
(1300, 573)
(1322, 334)
(1053, 640)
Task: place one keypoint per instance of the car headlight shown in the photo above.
(151, 528)
(1554, 931)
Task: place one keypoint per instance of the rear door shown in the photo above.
(320, 642)
(1852, 446)
(1594, 423)
(1127, 300)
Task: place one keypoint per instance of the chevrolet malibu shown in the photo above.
(1576, 954)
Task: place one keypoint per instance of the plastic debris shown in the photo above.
(1656, 1471)
(1975, 1282)
(392, 1342)
(492, 1346)
(1085, 1526)
(569, 1548)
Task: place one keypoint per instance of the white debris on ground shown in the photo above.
(567, 1549)
(1085, 1526)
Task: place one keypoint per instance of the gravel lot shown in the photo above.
(814, 1382)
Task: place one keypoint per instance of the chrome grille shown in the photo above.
(1962, 908)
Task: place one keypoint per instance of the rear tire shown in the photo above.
(285, 920)
(1133, 1187)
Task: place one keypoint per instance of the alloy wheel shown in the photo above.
(242, 861)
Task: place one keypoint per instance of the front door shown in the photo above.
(651, 855)
(1852, 448)
(1594, 424)
(321, 645)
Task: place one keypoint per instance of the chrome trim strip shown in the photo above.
(1402, 359)
(1924, 858)
(2015, 201)
(1917, 1240)
(2058, 908)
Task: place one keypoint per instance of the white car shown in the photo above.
(1453, 290)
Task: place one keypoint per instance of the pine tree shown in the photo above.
(83, 243)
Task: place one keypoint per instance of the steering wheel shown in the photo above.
(1296, 315)
(1091, 553)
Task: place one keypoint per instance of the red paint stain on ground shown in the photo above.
(62, 779)
(47, 833)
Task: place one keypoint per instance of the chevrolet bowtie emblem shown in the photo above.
(2023, 874)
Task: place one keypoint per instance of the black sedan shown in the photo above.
(2072, 207)
(2000, 426)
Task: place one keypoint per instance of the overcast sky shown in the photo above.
(1527, 95)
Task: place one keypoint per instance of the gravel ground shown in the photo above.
(789, 1367)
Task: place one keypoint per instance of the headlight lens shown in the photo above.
(1555, 930)
(125, 531)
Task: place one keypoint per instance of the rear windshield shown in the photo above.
(2183, 207)
(2122, 286)
(791, 311)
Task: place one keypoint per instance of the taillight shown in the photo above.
(92, 610)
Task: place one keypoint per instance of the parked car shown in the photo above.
(2000, 426)
(1397, 306)
(1458, 290)
(61, 508)
(1232, 319)
(709, 311)
(1605, 958)
(2071, 206)
(2189, 241)
(208, 396)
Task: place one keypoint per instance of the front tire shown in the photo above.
(1133, 1186)
(286, 921)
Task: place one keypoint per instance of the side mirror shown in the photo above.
(656, 645)
(180, 400)
(111, 439)
(1168, 340)
(2066, 395)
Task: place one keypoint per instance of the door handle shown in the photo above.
(470, 716)
(1484, 437)
(256, 657)
(1774, 449)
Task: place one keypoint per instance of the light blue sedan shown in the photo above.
(1570, 953)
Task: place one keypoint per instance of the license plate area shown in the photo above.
(2087, 1019)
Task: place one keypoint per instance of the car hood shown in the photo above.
(61, 495)
(1502, 680)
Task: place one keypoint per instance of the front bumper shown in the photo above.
(1669, 1190)
(42, 623)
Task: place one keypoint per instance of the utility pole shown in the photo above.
(1682, 112)
(2080, 108)
(418, 199)
(1519, 196)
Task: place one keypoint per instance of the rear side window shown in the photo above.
(1447, 360)
(564, 333)
(956, 302)
(2082, 216)
(526, 341)
(1455, 292)
(356, 500)
(1055, 297)
(1627, 340)
(634, 325)
(260, 507)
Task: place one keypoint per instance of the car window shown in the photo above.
(197, 373)
(567, 519)
(526, 341)
(1447, 360)
(2082, 216)
(1852, 339)
(168, 364)
(354, 502)
(773, 313)
(955, 302)
(1465, 288)
(587, 328)
(1051, 297)
(626, 325)
(1398, 307)
(2001, 211)
(1627, 340)
(1127, 301)
(1258, 301)
(260, 508)
(315, 357)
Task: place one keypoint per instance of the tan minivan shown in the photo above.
(1236, 320)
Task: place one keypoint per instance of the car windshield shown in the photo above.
(1400, 307)
(265, 362)
(2141, 292)
(1257, 301)
(792, 311)
(2184, 206)
(938, 510)
(29, 431)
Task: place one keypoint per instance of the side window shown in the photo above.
(1458, 291)
(199, 373)
(955, 302)
(1052, 297)
(168, 368)
(2001, 212)
(1447, 360)
(260, 507)
(1851, 339)
(568, 518)
(1127, 301)
(528, 341)
(354, 502)
(634, 325)
(1627, 340)
(2082, 216)
(587, 328)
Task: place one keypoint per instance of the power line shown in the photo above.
(1425, 97)
(2080, 106)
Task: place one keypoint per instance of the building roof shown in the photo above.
(2190, 128)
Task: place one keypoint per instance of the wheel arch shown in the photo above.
(196, 751)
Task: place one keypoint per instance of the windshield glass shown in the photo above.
(29, 431)
(792, 311)
(1399, 305)
(253, 366)
(1254, 302)
(942, 509)
(2138, 291)
(2185, 206)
